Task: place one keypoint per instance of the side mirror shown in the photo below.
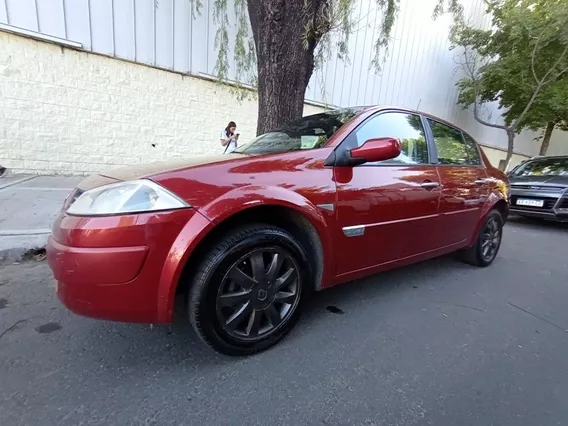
(378, 149)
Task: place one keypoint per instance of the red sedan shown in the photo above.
(247, 236)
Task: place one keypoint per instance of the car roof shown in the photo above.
(367, 108)
(546, 157)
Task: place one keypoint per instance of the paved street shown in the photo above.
(28, 207)
(439, 343)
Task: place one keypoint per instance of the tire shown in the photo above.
(476, 255)
(243, 298)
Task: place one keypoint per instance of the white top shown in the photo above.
(231, 146)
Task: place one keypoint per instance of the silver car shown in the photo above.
(539, 188)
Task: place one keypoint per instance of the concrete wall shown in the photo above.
(66, 111)
(162, 33)
(496, 155)
(74, 112)
(419, 71)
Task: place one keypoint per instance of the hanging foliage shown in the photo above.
(279, 44)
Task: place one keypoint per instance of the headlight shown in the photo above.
(125, 197)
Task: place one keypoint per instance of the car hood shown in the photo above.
(140, 171)
(539, 180)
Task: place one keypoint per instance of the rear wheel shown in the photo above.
(488, 241)
(247, 293)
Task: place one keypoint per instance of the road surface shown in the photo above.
(438, 343)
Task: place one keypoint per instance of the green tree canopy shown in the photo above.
(521, 63)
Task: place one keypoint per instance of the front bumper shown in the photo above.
(111, 267)
(554, 208)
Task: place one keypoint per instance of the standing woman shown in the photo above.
(229, 138)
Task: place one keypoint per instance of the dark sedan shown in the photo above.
(539, 188)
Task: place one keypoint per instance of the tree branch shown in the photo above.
(533, 54)
(482, 121)
(562, 72)
(538, 87)
(470, 65)
(543, 81)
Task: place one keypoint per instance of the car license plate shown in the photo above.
(530, 203)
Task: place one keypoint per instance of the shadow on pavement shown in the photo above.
(130, 345)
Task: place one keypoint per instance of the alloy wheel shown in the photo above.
(490, 239)
(258, 294)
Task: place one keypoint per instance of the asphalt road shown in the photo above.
(438, 343)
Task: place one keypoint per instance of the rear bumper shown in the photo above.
(112, 267)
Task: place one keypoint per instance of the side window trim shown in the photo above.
(477, 147)
(351, 138)
(430, 141)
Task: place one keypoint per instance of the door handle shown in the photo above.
(430, 185)
(480, 181)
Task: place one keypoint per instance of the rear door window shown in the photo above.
(451, 147)
(474, 158)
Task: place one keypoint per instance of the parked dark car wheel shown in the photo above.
(488, 241)
(247, 293)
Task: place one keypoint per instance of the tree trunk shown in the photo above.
(285, 57)
(510, 146)
(546, 139)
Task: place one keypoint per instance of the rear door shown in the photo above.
(464, 182)
(387, 210)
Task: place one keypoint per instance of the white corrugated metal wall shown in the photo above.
(419, 71)
(163, 34)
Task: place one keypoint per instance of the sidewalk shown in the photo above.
(28, 207)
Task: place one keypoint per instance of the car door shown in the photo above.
(464, 182)
(387, 210)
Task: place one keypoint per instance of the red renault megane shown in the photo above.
(247, 236)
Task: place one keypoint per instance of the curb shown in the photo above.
(24, 232)
(12, 255)
(15, 255)
(17, 181)
(19, 251)
(17, 243)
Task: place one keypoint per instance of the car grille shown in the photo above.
(548, 203)
(540, 188)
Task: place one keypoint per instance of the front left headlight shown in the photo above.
(135, 196)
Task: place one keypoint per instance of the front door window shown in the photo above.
(405, 127)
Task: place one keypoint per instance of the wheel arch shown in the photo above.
(306, 224)
(494, 202)
(503, 207)
(283, 217)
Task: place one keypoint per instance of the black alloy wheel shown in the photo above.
(487, 244)
(248, 290)
(491, 238)
(258, 294)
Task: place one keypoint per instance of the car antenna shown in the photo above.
(418, 106)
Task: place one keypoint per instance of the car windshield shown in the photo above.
(544, 167)
(308, 132)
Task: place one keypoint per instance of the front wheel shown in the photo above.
(247, 293)
(487, 243)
